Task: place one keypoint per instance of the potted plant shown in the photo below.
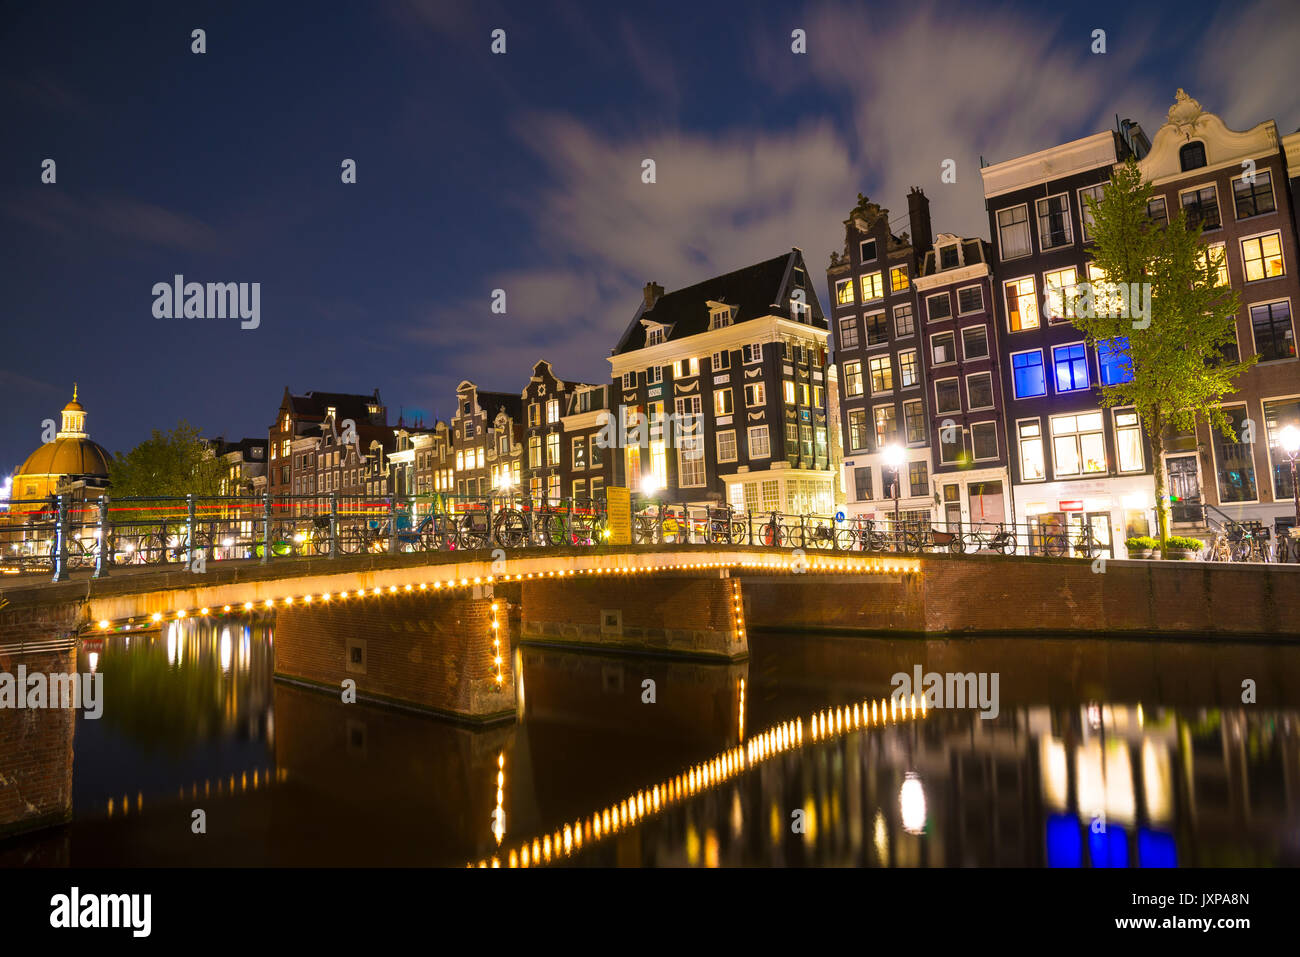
(1183, 548)
(1140, 546)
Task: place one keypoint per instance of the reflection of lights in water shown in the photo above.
(173, 651)
(742, 709)
(499, 815)
(94, 661)
(226, 649)
(1094, 716)
(911, 801)
(737, 815)
(711, 855)
(880, 837)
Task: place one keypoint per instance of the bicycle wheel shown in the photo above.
(1007, 545)
(1239, 551)
(471, 535)
(846, 540)
(794, 536)
(354, 540)
(645, 531)
(739, 533)
(511, 529)
(770, 534)
(155, 547)
(957, 546)
(1055, 545)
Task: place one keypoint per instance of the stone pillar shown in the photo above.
(425, 651)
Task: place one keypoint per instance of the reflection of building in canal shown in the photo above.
(1097, 785)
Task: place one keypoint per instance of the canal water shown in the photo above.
(1101, 754)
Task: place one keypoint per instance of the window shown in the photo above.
(720, 317)
(1217, 255)
(552, 411)
(947, 396)
(1071, 364)
(898, 278)
(1030, 433)
(979, 390)
(727, 446)
(849, 332)
(918, 477)
(862, 489)
(595, 450)
(1271, 324)
(722, 402)
(938, 306)
(1059, 289)
(1113, 361)
(852, 381)
(787, 387)
(1157, 211)
(857, 429)
(1022, 305)
(460, 456)
(1013, 232)
(943, 348)
(579, 488)
(552, 487)
(844, 292)
(1262, 257)
(819, 397)
(886, 425)
(1278, 414)
(1192, 156)
(975, 342)
(949, 256)
(970, 299)
(760, 446)
(552, 449)
(755, 394)
(867, 250)
(654, 335)
(1254, 199)
(791, 436)
(806, 439)
(1078, 446)
(1085, 214)
(1201, 206)
(909, 372)
(903, 325)
(882, 374)
(534, 413)
(1027, 374)
(1235, 461)
(984, 440)
(720, 361)
(579, 453)
(684, 368)
(1128, 440)
(877, 329)
(914, 422)
(752, 353)
(771, 495)
(1054, 221)
(873, 286)
(951, 442)
(629, 380)
(803, 393)
(690, 461)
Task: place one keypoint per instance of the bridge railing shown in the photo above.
(61, 534)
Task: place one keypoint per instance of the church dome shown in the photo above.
(72, 454)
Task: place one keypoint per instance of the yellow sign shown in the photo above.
(618, 509)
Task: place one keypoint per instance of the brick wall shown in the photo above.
(668, 613)
(431, 652)
(990, 594)
(35, 751)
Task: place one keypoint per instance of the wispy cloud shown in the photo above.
(61, 213)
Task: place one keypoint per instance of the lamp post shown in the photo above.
(895, 456)
(1289, 439)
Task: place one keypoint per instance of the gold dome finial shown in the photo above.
(74, 392)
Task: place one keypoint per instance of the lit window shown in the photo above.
(1078, 445)
(882, 374)
(909, 373)
(1071, 365)
(1031, 450)
(898, 278)
(1022, 305)
(886, 425)
(1216, 254)
(1262, 257)
(1128, 441)
(1027, 371)
(722, 402)
(873, 286)
(844, 292)
(852, 381)
(1059, 289)
(755, 394)
(1113, 361)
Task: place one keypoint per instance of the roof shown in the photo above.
(761, 289)
(68, 456)
(494, 402)
(347, 405)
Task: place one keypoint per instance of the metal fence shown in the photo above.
(59, 535)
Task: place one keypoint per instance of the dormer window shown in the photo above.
(720, 314)
(949, 257)
(654, 335)
(331, 412)
(1192, 156)
(867, 250)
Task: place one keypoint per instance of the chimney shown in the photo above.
(652, 292)
(918, 215)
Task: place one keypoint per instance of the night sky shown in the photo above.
(519, 171)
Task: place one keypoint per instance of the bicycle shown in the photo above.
(724, 527)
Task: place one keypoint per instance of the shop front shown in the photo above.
(1114, 509)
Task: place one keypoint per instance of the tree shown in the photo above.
(1160, 307)
(172, 463)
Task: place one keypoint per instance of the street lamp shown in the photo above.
(1289, 439)
(895, 456)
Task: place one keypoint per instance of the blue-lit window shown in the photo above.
(1071, 364)
(1028, 370)
(1113, 359)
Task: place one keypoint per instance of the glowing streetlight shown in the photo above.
(895, 456)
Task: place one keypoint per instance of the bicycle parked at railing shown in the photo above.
(725, 527)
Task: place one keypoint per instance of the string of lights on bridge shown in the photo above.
(786, 565)
(698, 778)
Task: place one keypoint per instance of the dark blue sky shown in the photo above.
(519, 172)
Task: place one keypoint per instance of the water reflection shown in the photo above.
(1104, 754)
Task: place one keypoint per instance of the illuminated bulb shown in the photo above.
(248, 606)
(226, 608)
(103, 625)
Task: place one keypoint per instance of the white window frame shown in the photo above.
(767, 441)
(964, 354)
(993, 402)
(760, 391)
(871, 379)
(1114, 427)
(1056, 390)
(937, 335)
(840, 284)
(1241, 248)
(1029, 231)
(1251, 323)
(875, 251)
(979, 288)
(735, 450)
(720, 360)
(1051, 434)
(929, 318)
(1069, 222)
(1083, 209)
(1272, 188)
(1033, 297)
(752, 353)
(1218, 203)
(997, 446)
(1020, 439)
(939, 382)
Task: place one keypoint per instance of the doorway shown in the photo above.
(1184, 489)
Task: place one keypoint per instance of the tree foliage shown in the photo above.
(172, 463)
(1176, 351)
